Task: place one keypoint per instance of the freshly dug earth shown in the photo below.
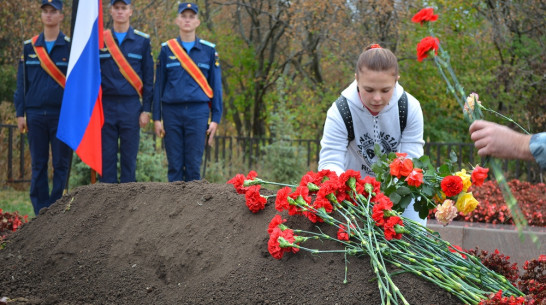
(178, 243)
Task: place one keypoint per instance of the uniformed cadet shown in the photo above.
(127, 85)
(40, 85)
(188, 89)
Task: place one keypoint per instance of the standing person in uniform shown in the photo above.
(127, 80)
(381, 113)
(40, 86)
(187, 90)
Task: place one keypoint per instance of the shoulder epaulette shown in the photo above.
(67, 38)
(142, 34)
(210, 44)
(28, 41)
(163, 44)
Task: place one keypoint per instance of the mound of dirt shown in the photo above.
(177, 243)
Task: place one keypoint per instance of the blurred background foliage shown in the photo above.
(496, 47)
(311, 47)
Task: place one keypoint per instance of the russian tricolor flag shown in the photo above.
(81, 116)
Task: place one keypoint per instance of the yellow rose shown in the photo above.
(466, 203)
(466, 179)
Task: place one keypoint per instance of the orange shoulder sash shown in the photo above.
(124, 67)
(47, 64)
(189, 65)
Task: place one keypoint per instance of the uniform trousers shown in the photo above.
(185, 127)
(42, 134)
(120, 133)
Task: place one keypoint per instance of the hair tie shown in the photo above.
(375, 46)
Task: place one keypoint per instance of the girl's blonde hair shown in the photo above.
(375, 58)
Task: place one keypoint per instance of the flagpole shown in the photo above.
(73, 18)
(93, 176)
(72, 24)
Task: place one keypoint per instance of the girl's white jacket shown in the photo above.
(383, 129)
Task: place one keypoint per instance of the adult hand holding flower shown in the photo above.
(499, 141)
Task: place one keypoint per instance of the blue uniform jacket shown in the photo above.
(136, 48)
(174, 85)
(36, 90)
(537, 145)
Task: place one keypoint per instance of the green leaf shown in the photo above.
(405, 202)
(444, 170)
(425, 161)
(420, 206)
(377, 150)
(423, 213)
(395, 198)
(403, 190)
(427, 190)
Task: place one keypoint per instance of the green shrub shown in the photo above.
(151, 164)
(283, 160)
(151, 160)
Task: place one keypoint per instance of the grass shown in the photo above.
(12, 200)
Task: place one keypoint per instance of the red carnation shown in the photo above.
(425, 15)
(281, 203)
(327, 188)
(401, 166)
(378, 211)
(318, 178)
(323, 176)
(312, 216)
(452, 185)
(425, 45)
(275, 222)
(273, 244)
(347, 184)
(376, 185)
(288, 235)
(323, 203)
(347, 175)
(254, 201)
(342, 233)
(251, 175)
(479, 174)
(308, 177)
(390, 228)
(302, 191)
(454, 250)
(415, 178)
(239, 180)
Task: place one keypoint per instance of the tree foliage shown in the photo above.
(496, 48)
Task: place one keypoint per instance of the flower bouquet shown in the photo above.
(404, 179)
(367, 224)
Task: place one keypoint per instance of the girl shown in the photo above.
(380, 112)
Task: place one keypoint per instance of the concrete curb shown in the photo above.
(489, 237)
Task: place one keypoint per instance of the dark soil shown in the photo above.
(177, 243)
